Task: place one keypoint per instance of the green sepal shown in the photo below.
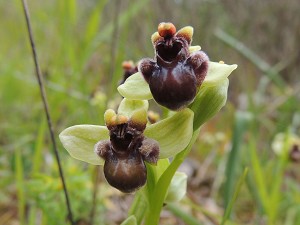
(209, 100)
(212, 94)
(80, 140)
(128, 106)
(136, 88)
(173, 133)
(217, 72)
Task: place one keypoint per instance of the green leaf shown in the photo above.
(209, 100)
(173, 133)
(131, 220)
(136, 88)
(79, 141)
(177, 188)
(128, 106)
(217, 72)
(155, 171)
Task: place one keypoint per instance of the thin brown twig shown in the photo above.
(46, 108)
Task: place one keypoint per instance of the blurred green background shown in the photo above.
(81, 46)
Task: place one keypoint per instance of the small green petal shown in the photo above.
(131, 220)
(217, 72)
(173, 133)
(128, 106)
(109, 115)
(194, 48)
(177, 188)
(79, 141)
(155, 37)
(139, 119)
(136, 88)
(187, 33)
(209, 100)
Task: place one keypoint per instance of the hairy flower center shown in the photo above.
(168, 50)
(121, 138)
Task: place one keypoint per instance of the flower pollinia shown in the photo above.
(175, 74)
(128, 141)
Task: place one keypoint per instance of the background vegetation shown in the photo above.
(81, 45)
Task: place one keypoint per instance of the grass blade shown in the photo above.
(249, 54)
(20, 186)
(258, 175)
(240, 126)
(187, 218)
(37, 157)
(234, 197)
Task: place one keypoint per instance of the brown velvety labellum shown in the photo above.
(127, 174)
(175, 87)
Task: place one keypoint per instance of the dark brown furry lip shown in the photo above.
(125, 153)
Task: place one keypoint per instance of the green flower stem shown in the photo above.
(161, 188)
(139, 206)
(141, 201)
